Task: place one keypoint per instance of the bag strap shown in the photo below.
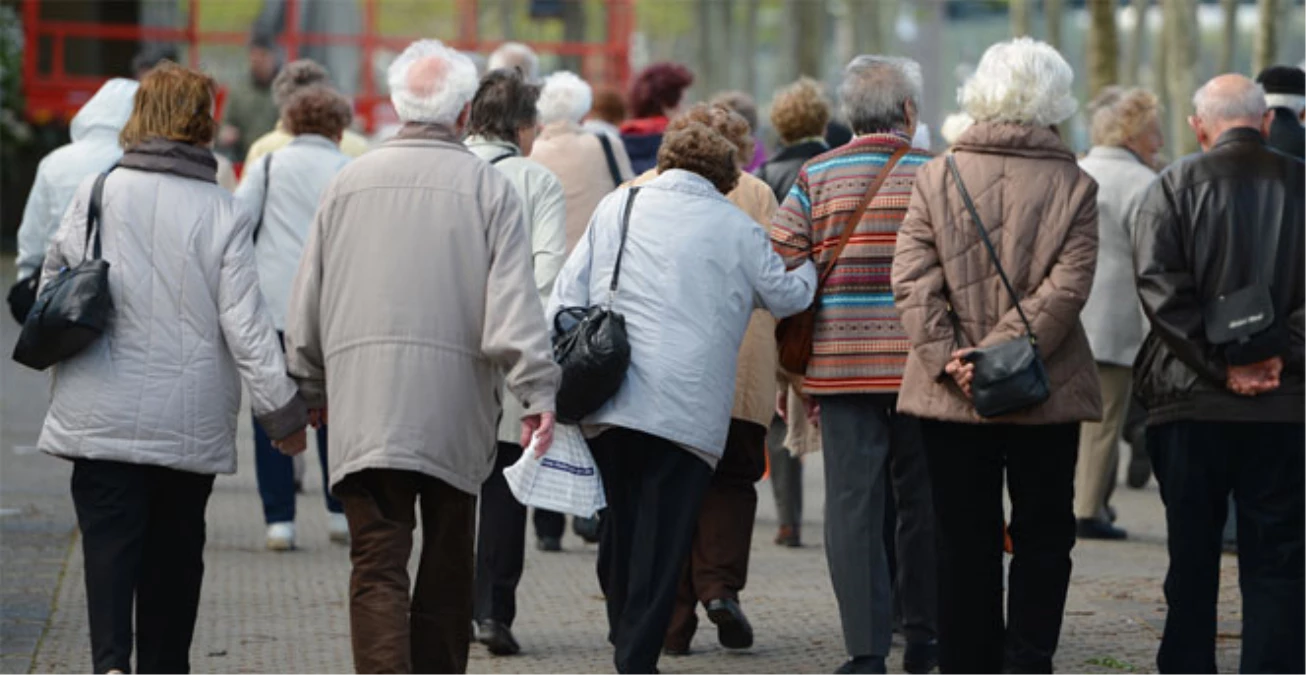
(621, 250)
(856, 219)
(611, 157)
(93, 218)
(267, 174)
(993, 253)
(500, 158)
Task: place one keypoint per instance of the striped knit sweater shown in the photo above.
(859, 346)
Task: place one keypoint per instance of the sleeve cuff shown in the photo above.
(312, 391)
(286, 420)
(538, 401)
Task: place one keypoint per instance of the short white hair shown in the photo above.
(516, 55)
(1229, 98)
(874, 90)
(431, 83)
(1020, 81)
(564, 98)
(953, 127)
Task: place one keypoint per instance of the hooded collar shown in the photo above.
(1021, 140)
(106, 112)
(427, 131)
(180, 159)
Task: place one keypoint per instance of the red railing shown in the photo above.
(56, 94)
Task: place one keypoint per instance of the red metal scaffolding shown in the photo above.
(56, 94)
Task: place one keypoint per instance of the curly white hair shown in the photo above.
(564, 98)
(431, 83)
(1020, 81)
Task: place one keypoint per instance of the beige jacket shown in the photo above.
(414, 292)
(1040, 210)
(755, 376)
(577, 159)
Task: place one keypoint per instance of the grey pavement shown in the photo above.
(287, 612)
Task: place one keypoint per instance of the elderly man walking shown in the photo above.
(1219, 252)
(859, 351)
(414, 292)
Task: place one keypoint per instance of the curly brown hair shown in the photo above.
(317, 110)
(696, 147)
(172, 103)
(295, 76)
(730, 124)
(800, 111)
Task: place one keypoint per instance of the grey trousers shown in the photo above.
(786, 476)
(857, 432)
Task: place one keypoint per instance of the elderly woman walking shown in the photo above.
(656, 95)
(1040, 211)
(148, 412)
(281, 192)
(658, 440)
(1126, 139)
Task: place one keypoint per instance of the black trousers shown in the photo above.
(1199, 464)
(654, 490)
(966, 463)
(909, 539)
(548, 523)
(500, 543)
(143, 539)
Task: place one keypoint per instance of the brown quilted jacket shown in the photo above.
(1040, 210)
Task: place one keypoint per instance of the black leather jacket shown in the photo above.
(1198, 233)
(781, 170)
(1287, 134)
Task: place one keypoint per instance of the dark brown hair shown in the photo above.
(657, 88)
(317, 110)
(173, 103)
(504, 103)
(609, 105)
(696, 147)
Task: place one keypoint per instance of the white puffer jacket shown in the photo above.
(162, 386)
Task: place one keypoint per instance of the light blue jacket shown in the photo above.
(694, 269)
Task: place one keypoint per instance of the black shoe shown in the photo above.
(732, 628)
(676, 650)
(1092, 528)
(863, 664)
(1111, 513)
(497, 638)
(921, 657)
(549, 544)
(587, 529)
(1140, 468)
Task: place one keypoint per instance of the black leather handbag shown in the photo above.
(73, 309)
(594, 352)
(22, 295)
(1009, 377)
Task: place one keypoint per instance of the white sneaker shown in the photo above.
(281, 536)
(338, 527)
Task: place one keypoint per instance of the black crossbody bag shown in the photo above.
(1009, 377)
(594, 352)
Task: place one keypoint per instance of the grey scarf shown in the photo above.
(174, 157)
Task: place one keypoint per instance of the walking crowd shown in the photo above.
(940, 325)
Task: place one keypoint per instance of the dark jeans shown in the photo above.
(1198, 465)
(966, 463)
(500, 543)
(654, 490)
(143, 539)
(276, 477)
(717, 565)
(428, 631)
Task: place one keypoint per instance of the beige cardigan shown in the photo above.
(576, 157)
(755, 376)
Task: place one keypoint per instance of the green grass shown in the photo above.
(1110, 662)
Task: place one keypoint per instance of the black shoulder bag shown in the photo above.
(594, 352)
(1232, 319)
(262, 209)
(1009, 377)
(613, 170)
(73, 309)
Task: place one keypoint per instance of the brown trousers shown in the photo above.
(718, 562)
(393, 632)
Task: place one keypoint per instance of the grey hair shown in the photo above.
(1243, 103)
(875, 89)
(516, 55)
(1020, 81)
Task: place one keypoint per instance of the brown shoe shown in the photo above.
(788, 536)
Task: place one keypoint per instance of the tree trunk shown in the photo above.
(807, 19)
(1132, 75)
(747, 53)
(573, 30)
(506, 19)
(1180, 20)
(868, 37)
(1266, 52)
(1230, 46)
(1053, 9)
(1103, 46)
(1020, 23)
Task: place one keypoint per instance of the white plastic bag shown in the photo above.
(564, 480)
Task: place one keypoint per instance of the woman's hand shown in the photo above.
(293, 444)
(962, 372)
(317, 417)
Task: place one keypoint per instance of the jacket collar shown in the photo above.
(644, 126)
(563, 128)
(427, 132)
(482, 141)
(1239, 135)
(164, 156)
(876, 140)
(1021, 140)
(801, 150)
(315, 140)
(680, 180)
(1113, 153)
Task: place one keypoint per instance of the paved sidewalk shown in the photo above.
(267, 612)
